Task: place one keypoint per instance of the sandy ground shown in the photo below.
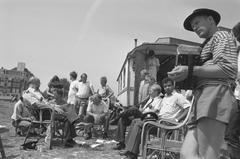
(12, 144)
(82, 151)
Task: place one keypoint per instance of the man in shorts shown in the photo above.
(214, 99)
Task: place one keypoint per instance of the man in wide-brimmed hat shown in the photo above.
(214, 100)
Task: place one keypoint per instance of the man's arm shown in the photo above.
(209, 71)
(224, 61)
(182, 115)
(180, 73)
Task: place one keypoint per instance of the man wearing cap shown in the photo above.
(214, 100)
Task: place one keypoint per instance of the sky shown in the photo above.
(55, 37)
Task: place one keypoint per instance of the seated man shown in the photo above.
(21, 118)
(33, 97)
(171, 105)
(97, 112)
(152, 105)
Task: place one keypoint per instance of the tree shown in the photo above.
(66, 85)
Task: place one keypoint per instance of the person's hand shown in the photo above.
(179, 73)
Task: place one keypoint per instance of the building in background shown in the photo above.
(13, 81)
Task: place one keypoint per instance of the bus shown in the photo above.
(166, 50)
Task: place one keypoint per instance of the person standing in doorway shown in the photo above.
(152, 64)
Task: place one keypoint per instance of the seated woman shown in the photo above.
(97, 112)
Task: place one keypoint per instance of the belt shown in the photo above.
(83, 98)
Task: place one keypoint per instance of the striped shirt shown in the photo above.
(220, 50)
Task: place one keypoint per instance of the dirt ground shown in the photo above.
(84, 151)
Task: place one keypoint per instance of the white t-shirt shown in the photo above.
(72, 92)
(20, 111)
(97, 109)
(85, 90)
(172, 105)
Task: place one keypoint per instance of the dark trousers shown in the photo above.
(103, 120)
(69, 131)
(134, 136)
(68, 128)
(124, 121)
(232, 134)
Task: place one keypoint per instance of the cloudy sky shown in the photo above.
(55, 37)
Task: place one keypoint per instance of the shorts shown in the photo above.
(215, 101)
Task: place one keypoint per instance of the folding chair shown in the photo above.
(163, 146)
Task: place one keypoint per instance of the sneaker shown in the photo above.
(88, 136)
(119, 146)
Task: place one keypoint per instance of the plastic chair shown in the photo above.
(163, 145)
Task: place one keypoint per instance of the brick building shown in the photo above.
(13, 81)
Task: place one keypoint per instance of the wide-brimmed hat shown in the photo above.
(202, 11)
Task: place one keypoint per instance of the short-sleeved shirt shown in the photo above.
(221, 50)
(97, 109)
(172, 104)
(85, 90)
(20, 111)
(72, 92)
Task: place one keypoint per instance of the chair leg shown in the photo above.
(2, 149)
(30, 126)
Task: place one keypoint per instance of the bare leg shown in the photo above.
(210, 135)
(189, 148)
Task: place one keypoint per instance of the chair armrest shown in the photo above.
(159, 125)
(169, 121)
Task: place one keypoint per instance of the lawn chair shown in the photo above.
(43, 117)
(169, 139)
